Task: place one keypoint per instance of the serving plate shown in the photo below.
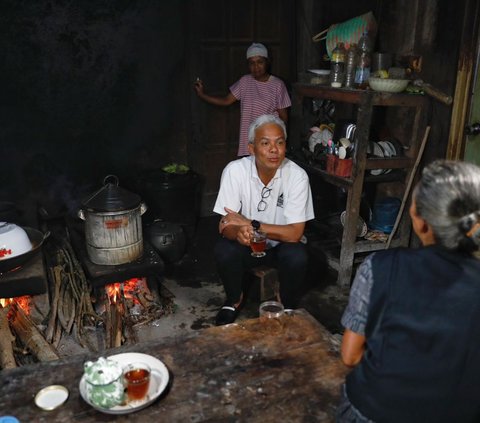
(362, 228)
(158, 382)
(323, 72)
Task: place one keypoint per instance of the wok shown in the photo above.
(36, 238)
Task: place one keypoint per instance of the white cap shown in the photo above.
(257, 49)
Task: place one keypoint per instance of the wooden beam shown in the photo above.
(465, 72)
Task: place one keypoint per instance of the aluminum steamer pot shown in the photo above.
(113, 224)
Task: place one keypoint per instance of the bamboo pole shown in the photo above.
(409, 186)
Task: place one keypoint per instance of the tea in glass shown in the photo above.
(258, 243)
(137, 380)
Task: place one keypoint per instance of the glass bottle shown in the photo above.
(337, 66)
(362, 72)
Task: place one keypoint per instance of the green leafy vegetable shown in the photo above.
(175, 168)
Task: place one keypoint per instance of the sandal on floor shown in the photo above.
(226, 315)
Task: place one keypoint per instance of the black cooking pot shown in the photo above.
(168, 239)
(36, 238)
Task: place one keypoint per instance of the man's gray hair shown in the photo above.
(262, 120)
(448, 198)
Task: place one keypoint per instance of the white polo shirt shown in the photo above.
(290, 199)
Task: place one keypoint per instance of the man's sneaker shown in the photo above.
(226, 315)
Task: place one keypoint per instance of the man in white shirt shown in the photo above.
(265, 192)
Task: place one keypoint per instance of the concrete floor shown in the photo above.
(198, 292)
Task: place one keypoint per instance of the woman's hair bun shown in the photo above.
(470, 225)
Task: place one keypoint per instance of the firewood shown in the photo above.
(83, 285)
(118, 328)
(108, 324)
(63, 303)
(79, 324)
(30, 336)
(114, 315)
(57, 337)
(66, 308)
(57, 281)
(7, 357)
(71, 318)
(143, 294)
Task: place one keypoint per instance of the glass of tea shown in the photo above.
(271, 313)
(258, 242)
(137, 380)
(271, 309)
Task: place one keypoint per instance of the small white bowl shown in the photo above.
(387, 84)
(14, 241)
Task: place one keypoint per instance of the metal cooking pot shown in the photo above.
(168, 239)
(36, 238)
(113, 225)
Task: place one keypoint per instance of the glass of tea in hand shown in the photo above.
(258, 242)
(137, 380)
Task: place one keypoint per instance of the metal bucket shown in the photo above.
(113, 224)
(115, 237)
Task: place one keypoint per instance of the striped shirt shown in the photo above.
(256, 99)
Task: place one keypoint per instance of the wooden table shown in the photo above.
(246, 372)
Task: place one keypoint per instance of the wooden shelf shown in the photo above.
(328, 177)
(354, 96)
(392, 163)
(365, 101)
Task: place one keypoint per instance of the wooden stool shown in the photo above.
(269, 285)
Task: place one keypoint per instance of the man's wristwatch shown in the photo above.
(255, 225)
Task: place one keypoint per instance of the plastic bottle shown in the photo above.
(337, 66)
(351, 65)
(362, 72)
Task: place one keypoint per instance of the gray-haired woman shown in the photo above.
(412, 322)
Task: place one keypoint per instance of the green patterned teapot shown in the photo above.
(104, 382)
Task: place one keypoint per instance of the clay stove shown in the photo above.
(99, 304)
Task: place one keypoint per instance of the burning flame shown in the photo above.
(22, 302)
(128, 289)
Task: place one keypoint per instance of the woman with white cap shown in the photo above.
(259, 93)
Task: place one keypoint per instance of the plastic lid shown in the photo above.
(102, 372)
(8, 419)
(51, 397)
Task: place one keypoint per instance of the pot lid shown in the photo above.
(111, 198)
(102, 372)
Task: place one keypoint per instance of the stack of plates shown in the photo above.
(382, 149)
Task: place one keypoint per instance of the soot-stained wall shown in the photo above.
(87, 88)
